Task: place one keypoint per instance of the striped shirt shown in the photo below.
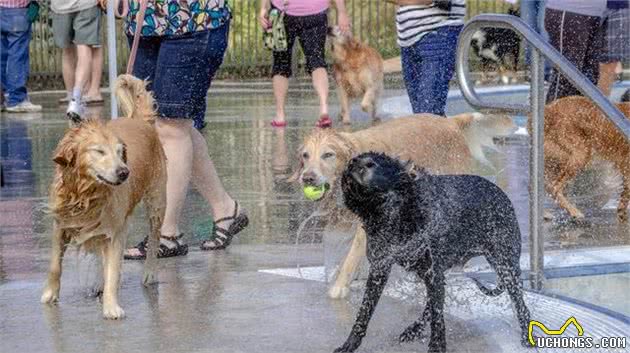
(14, 4)
(414, 21)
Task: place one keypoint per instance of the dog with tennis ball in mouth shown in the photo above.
(442, 145)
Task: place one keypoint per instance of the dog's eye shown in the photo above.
(305, 155)
(328, 155)
(99, 152)
(370, 165)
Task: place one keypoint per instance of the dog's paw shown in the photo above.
(439, 347)
(113, 312)
(50, 296)
(411, 333)
(351, 345)
(149, 278)
(338, 292)
(622, 216)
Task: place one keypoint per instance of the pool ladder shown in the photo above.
(540, 49)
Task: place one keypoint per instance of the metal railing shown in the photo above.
(541, 50)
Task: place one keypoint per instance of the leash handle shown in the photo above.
(138, 32)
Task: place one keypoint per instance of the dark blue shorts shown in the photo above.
(180, 70)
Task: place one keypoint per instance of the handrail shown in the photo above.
(536, 110)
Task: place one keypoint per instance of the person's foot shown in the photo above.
(75, 111)
(225, 229)
(169, 247)
(324, 121)
(24, 107)
(278, 123)
(93, 99)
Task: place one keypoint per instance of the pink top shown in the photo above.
(14, 3)
(302, 7)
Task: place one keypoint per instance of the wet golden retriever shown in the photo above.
(358, 71)
(575, 131)
(441, 145)
(102, 172)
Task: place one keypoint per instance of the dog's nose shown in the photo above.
(309, 178)
(122, 173)
(330, 31)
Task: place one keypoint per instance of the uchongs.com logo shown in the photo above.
(555, 338)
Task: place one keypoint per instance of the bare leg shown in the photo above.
(320, 83)
(178, 147)
(51, 290)
(68, 66)
(280, 90)
(206, 180)
(607, 76)
(84, 66)
(94, 90)
(344, 277)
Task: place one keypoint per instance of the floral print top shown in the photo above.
(177, 17)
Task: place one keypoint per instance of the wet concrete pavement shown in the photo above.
(221, 302)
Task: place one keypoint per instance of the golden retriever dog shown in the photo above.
(576, 131)
(102, 172)
(441, 145)
(358, 71)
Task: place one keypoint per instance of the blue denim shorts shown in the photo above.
(180, 70)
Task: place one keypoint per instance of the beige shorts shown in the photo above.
(79, 28)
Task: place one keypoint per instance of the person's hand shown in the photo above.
(263, 18)
(32, 12)
(103, 4)
(343, 21)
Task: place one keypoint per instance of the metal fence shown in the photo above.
(372, 21)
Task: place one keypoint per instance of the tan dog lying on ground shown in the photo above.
(103, 171)
(358, 71)
(575, 131)
(441, 145)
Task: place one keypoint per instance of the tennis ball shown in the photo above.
(314, 193)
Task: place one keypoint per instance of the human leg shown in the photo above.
(428, 66)
(16, 38)
(312, 36)
(281, 70)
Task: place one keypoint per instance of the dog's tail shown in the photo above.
(489, 292)
(479, 131)
(133, 98)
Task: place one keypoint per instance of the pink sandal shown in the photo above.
(324, 122)
(276, 123)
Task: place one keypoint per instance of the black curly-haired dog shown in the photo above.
(428, 224)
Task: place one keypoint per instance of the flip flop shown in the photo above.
(324, 122)
(93, 101)
(277, 123)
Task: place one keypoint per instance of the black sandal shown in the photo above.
(221, 237)
(169, 247)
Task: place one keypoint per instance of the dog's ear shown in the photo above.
(296, 175)
(124, 153)
(66, 153)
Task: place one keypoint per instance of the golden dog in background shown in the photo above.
(441, 145)
(358, 71)
(103, 171)
(575, 131)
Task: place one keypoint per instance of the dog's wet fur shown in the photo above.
(428, 224)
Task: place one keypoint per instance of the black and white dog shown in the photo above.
(428, 224)
(498, 49)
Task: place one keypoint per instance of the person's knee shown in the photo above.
(174, 129)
